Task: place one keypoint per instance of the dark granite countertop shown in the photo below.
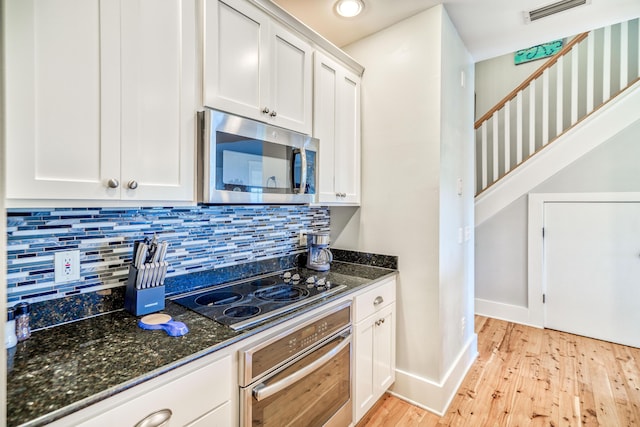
(63, 369)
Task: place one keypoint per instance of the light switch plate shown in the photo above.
(67, 266)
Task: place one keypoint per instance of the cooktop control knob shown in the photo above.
(320, 282)
(295, 277)
(287, 275)
(328, 284)
(311, 279)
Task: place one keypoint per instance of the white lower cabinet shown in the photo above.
(374, 342)
(198, 394)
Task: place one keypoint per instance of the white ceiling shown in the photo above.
(487, 27)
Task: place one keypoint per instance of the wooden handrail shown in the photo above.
(566, 49)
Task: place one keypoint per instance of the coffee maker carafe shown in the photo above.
(319, 257)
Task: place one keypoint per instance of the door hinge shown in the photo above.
(544, 298)
(542, 232)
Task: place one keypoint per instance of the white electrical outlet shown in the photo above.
(302, 238)
(67, 266)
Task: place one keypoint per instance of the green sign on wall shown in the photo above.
(537, 52)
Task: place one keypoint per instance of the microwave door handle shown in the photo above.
(303, 170)
(261, 391)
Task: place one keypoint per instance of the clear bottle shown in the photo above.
(23, 330)
(10, 338)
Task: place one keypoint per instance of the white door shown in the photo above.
(592, 269)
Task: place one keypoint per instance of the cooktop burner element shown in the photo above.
(242, 311)
(281, 293)
(218, 298)
(247, 303)
(264, 282)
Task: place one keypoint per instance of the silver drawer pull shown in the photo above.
(157, 419)
(379, 300)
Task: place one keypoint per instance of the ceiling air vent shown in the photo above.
(553, 8)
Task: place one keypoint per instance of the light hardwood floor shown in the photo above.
(533, 377)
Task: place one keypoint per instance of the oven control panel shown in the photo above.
(309, 336)
(271, 352)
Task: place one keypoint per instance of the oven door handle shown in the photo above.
(261, 391)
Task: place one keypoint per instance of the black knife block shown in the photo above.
(142, 301)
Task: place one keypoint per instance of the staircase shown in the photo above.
(557, 114)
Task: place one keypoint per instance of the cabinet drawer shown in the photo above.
(219, 417)
(188, 397)
(374, 299)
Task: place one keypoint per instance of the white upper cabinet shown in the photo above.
(336, 123)
(256, 68)
(100, 99)
(159, 99)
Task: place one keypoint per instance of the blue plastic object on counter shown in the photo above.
(164, 322)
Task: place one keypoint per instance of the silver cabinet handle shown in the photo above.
(379, 300)
(157, 419)
(265, 110)
(133, 184)
(273, 114)
(379, 322)
(262, 391)
(113, 183)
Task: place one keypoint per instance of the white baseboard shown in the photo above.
(508, 312)
(432, 396)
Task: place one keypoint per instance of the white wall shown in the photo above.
(495, 78)
(416, 141)
(456, 204)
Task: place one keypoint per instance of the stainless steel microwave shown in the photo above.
(245, 161)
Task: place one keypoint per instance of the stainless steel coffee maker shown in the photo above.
(319, 257)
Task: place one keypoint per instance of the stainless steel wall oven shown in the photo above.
(301, 377)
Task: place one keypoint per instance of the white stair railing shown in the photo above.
(589, 71)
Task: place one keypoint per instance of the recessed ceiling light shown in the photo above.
(349, 8)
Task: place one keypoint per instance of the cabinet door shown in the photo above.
(325, 103)
(290, 101)
(158, 99)
(374, 359)
(336, 123)
(347, 150)
(384, 372)
(364, 387)
(236, 61)
(63, 98)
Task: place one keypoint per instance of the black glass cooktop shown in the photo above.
(247, 303)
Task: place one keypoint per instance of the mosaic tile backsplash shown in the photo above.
(200, 238)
